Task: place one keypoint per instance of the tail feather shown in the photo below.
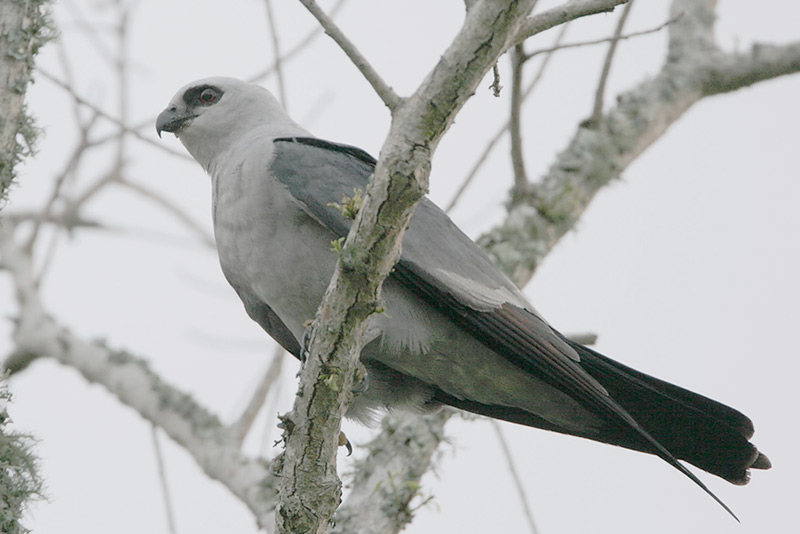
(704, 432)
(688, 426)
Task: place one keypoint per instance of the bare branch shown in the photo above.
(162, 476)
(596, 157)
(309, 490)
(503, 129)
(764, 62)
(172, 208)
(512, 469)
(69, 169)
(385, 92)
(521, 184)
(242, 426)
(566, 12)
(276, 53)
(130, 379)
(132, 131)
(599, 96)
(296, 49)
(23, 29)
(592, 42)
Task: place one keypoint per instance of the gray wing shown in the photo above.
(439, 263)
(447, 269)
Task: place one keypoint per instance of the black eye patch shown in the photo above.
(202, 95)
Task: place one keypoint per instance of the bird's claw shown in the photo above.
(344, 442)
(304, 343)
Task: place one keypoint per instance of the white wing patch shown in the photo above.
(479, 296)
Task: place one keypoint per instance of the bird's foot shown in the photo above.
(304, 343)
(344, 442)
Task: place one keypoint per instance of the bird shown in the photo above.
(456, 331)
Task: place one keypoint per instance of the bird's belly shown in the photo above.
(419, 341)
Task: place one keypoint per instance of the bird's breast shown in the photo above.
(269, 248)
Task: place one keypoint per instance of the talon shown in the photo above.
(343, 441)
(305, 341)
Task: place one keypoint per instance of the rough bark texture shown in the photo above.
(24, 27)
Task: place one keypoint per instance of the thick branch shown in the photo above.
(764, 62)
(694, 68)
(23, 29)
(213, 446)
(383, 89)
(310, 491)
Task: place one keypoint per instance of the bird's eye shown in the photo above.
(208, 96)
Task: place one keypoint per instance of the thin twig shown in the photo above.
(599, 96)
(90, 31)
(503, 129)
(162, 477)
(276, 52)
(122, 81)
(132, 131)
(61, 179)
(512, 469)
(172, 208)
(242, 426)
(385, 92)
(571, 10)
(299, 47)
(549, 53)
(623, 37)
(521, 184)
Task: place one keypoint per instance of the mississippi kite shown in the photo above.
(456, 330)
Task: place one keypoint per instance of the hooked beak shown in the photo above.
(171, 120)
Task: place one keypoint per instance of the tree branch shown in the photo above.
(694, 68)
(309, 490)
(24, 27)
(276, 53)
(566, 12)
(503, 129)
(599, 96)
(764, 62)
(242, 426)
(131, 380)
(385, 92)
(387, 481)
(521, 183)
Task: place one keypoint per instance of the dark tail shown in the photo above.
(691, 427)
(705, 433)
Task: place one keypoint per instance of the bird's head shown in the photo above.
(209, 115)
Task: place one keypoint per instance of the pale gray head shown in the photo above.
(211, 114)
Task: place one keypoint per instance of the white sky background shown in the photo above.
(686, 268)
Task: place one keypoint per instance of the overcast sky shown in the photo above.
(686, 268)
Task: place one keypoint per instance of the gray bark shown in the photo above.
(24, 27)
